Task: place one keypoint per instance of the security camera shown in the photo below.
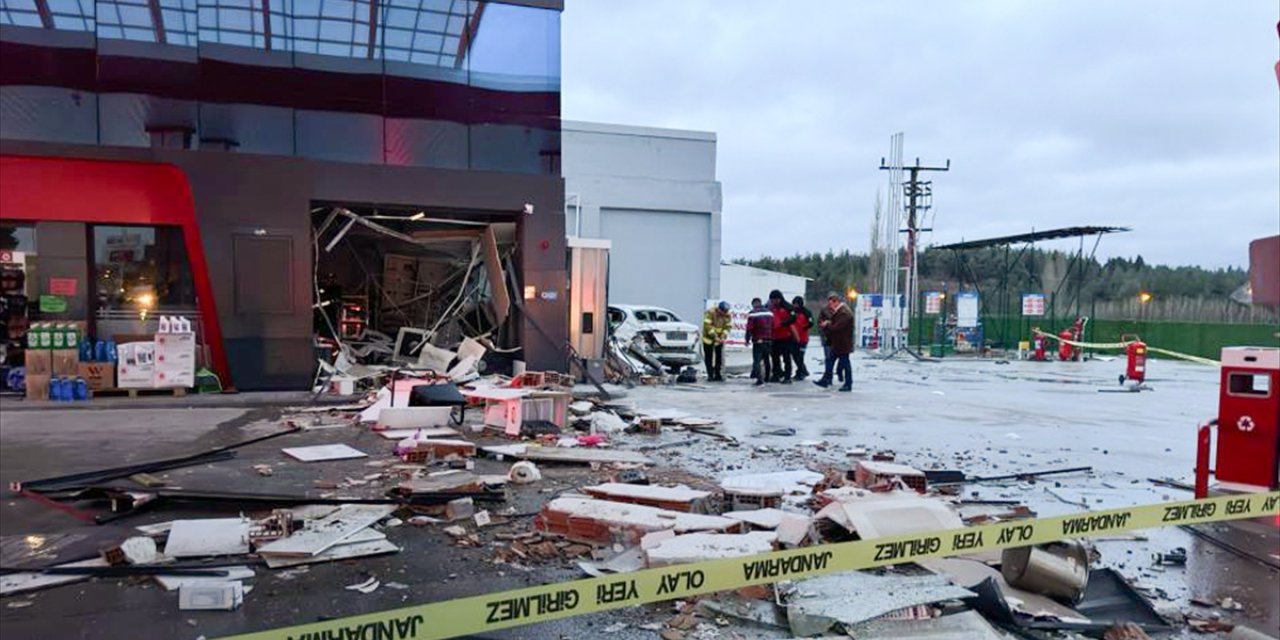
(528, 209)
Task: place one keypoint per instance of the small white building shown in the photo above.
(740, 283)
(653, 193)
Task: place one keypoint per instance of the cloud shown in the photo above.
(1164, 117)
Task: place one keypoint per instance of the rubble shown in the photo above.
(678, 498)
(818, 605)
(696, 547)
(603, 521)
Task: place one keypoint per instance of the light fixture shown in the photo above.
(1144, 297)
(418, 216)
(852, 293)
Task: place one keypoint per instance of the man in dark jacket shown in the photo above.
(800, 331)
(838, 331)
(760, 337)
(783, 340)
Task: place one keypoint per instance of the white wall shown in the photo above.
(653, 194)
(740, 283)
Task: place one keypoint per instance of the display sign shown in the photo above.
(53, 304)
(933, 302)
(738, 314)
(1033, 304)
(8, 256)
(63, 286)
(967, 309)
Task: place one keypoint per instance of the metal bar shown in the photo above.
(373, 28)
(468, 35)
(266, 24)
(157, 20)
(46, 16)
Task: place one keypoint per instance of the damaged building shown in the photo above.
(297, 181)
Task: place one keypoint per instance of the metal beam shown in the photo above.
(468, 35)
(157, 20)
(266, 24)
(373, 28)
(46, 16)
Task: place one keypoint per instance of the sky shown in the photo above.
(1163, 116)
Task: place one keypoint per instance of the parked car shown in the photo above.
(658, 332)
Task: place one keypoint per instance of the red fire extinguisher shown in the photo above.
(1136, 354)
(1038, 343)
(1064, 348)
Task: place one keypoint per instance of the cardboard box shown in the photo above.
(38, 386)
(66, 362)
(175, 360)
(39, 362)
(135, 368)
(98, 375)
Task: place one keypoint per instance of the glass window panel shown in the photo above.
(19, 5)
(141, 269)
(425, 58)
(451, 44)
(427, 42)
(71, 23)
(400, 55)
(173, 20)
(134, 33)
(257, 21)
(135, 16)
(69, 7)
(456, 24)
(334, 49)
(437, 5)
(337, 8)
(306, 28)
(279, 26)
(431, 22)
(237, 19)
(398, 38)
(21, 19)
(110, 31)
(208, 17)
(448, 60)
(400, 18)
(18, 237)
(258, 41)
(306, 46)
(238, 38)
(335, 30)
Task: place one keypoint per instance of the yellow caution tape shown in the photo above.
(1120, 345)
(493, 611)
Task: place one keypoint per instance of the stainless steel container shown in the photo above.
(1059, 569)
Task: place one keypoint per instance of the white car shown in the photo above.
(658, 332)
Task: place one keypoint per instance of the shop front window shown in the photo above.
(141, 270)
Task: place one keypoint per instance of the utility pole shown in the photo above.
(919, 200)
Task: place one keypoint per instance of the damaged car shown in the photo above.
(658, 333)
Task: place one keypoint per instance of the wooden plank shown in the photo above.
(427, 432)
(324, 452)
(497, 279)
(339, 552)
(413, 417)
(328, 531)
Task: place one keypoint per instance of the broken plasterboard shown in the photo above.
(568, 456)
(233, 574)
(323, 452)
(362, 544)
(322, 534)
(971, 573)
(816, 605)
(218, 596)
(208, 537)
(965, 625)
(413, 417)
(677, 498)
(630, 516)
(696, 547)
(768, 518)
(784, 482)
(424, 433)
(878, 515)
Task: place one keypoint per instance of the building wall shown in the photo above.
(266, 124)
(653, 194)
(740, 283)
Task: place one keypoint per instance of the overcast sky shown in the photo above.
(1159, 115)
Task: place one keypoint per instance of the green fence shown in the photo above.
(1195, 338)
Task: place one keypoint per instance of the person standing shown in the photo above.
(760, 337)
(800, 331)
(838, 330)
(783, 341)
(716, 324)
(824, 316)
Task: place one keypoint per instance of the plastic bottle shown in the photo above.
(72, 337)
(55, 389)
(111, 350)
(100, 351)
(56, 335)
(86, 349)
(81, 389)
(165, 325)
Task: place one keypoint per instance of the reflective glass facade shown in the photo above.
(459, 84)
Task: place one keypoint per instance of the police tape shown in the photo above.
(493, 611)
(1120, 345)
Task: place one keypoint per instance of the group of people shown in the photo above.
(778, 334)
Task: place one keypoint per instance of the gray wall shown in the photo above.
(652, 193)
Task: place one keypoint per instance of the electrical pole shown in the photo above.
(919, 200)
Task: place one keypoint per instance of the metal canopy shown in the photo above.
(1034, 236)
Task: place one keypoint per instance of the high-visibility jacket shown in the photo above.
(715, 327)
